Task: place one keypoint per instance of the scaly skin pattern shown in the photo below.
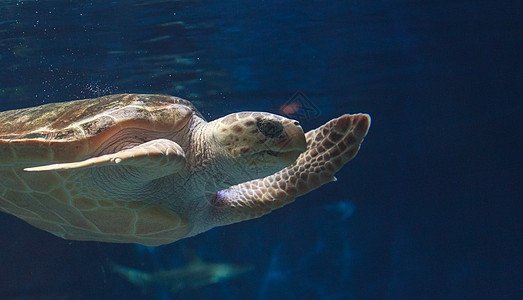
(329, 147)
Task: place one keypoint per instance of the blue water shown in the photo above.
(429, 209)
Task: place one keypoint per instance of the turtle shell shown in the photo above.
(66, 203)
(67, 131)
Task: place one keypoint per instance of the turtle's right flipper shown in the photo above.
(329, 147)
(154, 159)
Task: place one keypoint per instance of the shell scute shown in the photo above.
(111, 221)
(97, 125)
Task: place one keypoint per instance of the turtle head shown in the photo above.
(259, 143)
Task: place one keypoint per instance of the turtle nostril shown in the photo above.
(270, 129)
(296, 123)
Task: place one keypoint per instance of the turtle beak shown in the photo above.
(294, 142)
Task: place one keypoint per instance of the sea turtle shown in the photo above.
(149, 169)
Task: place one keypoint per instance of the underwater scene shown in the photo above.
(135, 195)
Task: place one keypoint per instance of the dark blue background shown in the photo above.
(437, 184)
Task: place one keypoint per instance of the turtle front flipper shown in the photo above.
(329, 147)
(154, 159)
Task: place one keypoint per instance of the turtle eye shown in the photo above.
(269, 128)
